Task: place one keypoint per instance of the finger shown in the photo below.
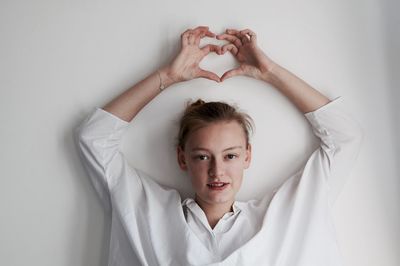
(244, 38)
(231, 38)
(186, 32)
(229, 47)
(208, 75)
(210, 34)
(252, 34)
(191, 35)
(204, 30)
(191, 38)
(185, 37)
(201, 28)
(231, 31)
(231, 73)
(211, 48)
(198, 37)
(202, 34)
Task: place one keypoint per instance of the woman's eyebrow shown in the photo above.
(227, 149)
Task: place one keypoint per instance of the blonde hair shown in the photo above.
(199, 114)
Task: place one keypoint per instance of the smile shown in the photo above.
(217, 186)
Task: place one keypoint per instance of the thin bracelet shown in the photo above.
(161, 84)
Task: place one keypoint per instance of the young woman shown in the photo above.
(152, 225)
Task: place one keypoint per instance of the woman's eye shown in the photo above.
(202, 157)
(231, 156)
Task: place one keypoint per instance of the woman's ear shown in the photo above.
(181, 158)
(247, 158)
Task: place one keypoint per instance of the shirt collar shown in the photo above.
(192, 204)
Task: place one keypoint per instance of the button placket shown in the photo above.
(214, 243)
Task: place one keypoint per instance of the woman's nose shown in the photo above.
(216, 168)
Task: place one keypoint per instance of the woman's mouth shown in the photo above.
(217, 185)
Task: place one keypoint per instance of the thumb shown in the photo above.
(231, 73)
(208, 75)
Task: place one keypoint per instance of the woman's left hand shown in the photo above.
(243, 45)
(186, 65)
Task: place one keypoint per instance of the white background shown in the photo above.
(60, 59)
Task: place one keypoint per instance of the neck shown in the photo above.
(214, 212)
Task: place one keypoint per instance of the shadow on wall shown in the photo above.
(391, 31)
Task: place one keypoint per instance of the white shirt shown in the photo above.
(152, 225)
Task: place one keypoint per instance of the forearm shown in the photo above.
(131, 101)
(301, 94)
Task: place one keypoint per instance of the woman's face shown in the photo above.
(216, 153)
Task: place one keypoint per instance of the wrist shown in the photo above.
(166, 77)
(272, 73)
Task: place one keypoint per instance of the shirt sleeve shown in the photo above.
(98, 139)
(340, 141)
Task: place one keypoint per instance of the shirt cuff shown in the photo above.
(332, 104)
(111, 115)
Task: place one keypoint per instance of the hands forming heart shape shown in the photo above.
(242, 44)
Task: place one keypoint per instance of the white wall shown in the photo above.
(60, 59)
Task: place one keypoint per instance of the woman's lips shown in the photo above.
(217, 186)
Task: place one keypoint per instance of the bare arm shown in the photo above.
(254, 63)
(305, 97)
(131, 101)
(184, 67)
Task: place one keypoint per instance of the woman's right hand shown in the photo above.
(243, 45)
(186, 65)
